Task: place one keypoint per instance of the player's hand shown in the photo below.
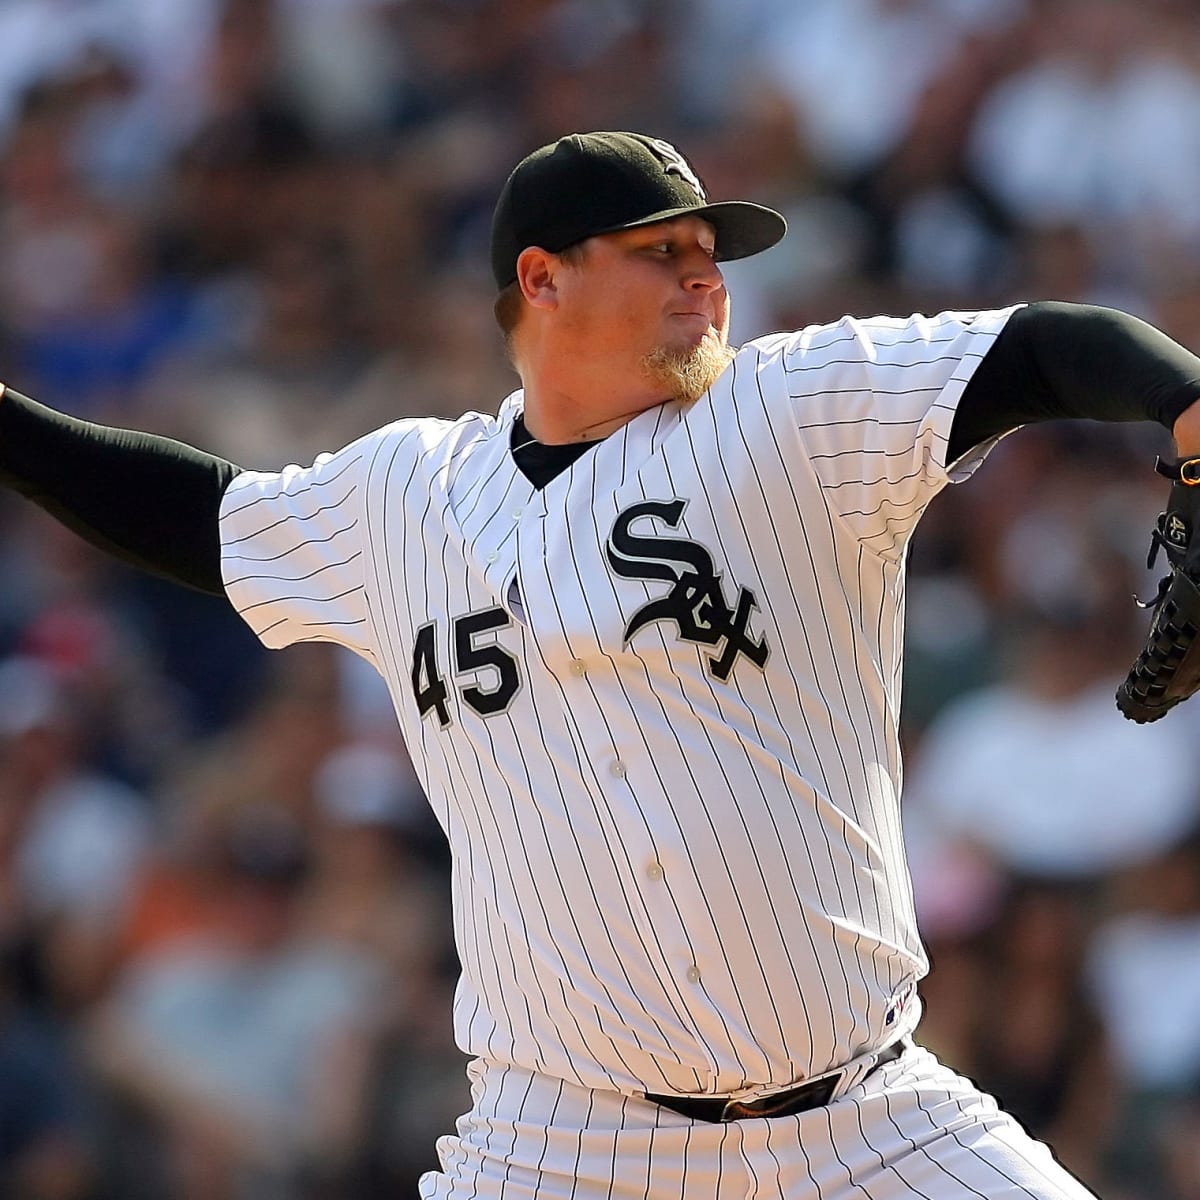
(1168, 668)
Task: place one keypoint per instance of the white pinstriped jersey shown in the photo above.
(655, 704)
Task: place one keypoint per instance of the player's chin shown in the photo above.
(687, 371)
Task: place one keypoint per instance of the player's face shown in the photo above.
(653, 301)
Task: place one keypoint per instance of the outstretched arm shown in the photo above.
(1077, 360)
(149, 500)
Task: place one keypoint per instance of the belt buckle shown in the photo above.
(817, 1092)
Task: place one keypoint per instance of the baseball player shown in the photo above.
(642, 629)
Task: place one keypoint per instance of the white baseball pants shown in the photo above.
(912, 1130)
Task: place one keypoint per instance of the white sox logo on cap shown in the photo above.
(676, 164)
(586, 184)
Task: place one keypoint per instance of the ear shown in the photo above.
(536, 275)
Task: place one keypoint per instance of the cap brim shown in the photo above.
(742, 228)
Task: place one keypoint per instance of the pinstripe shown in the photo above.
(502, 935)
(873, 422)
(290, 518)
(737, 509)
(822, 977)
(832, 740)
(661, 783)
(837, 743)
(387, 621)
(799, 1145)
(304, 543)
(598, 903)
(827, 1114)
(480, 786)
(912, 1145)
(563, 891)
(885, 817)
(866, 450)
(918, 503)
(876, 338)
(869, 391)
(579, 1152)
(520, 1116)
(750, 932)
(1021, 1148)
(312, 484)
(874, 813)
(942, 1166)
(970, 1150)
(629, 873)
(495, 1106)
(831, 487)
(884, 1164)
(468, 931)
(299, 578)
(550, 1123)
(300, 597)
(609, 832)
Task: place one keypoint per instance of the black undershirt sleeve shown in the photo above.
(148, 500)
(1054, 359)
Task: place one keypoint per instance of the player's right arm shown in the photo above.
(149, 500)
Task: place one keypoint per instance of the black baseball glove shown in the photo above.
(1168, 668)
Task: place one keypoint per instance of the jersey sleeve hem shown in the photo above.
(292, 552)
(957, 470)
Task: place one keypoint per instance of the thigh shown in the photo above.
(914, 1130)
(532, 1136)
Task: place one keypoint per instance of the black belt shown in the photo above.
(814, 1094)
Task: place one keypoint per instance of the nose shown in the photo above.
(703, 274)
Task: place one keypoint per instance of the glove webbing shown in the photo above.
(1167, 670)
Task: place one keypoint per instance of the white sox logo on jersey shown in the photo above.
(676, 164)
(696, 602)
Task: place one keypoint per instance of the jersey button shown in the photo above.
(518, 513)
(655, 871)
(578, 667)
(492, 557)
(693, 974)
(617, 769)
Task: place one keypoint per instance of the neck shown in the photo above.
(558, 417)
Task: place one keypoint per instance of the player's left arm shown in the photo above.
(1066, 360)
(1054, 360)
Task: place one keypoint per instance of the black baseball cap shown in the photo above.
(590, 183)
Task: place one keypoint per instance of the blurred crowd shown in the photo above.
(261, 226)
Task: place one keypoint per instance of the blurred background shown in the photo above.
(260, 225)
